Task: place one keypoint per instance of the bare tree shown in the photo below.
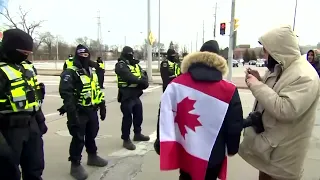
(84, 41)
(49, 40)
(21, 22)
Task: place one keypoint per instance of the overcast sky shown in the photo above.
(181, 20)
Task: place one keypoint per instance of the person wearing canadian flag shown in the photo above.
(200, 118)
(287, 96)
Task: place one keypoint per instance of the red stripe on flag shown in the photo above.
(224, 169)
(173, 156)
(221, 90)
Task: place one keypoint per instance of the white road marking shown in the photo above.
(51, 114)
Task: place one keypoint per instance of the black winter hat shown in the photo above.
(211, 46)
(171, 52)
(81, 49)
(16, 39)
(127, 50)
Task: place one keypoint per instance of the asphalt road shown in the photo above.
(109, 143)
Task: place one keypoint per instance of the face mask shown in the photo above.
(84, 61)
(16, 57)
(171, 58)
(129, 57)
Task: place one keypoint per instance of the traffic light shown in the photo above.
(236, 25)
(222, 28)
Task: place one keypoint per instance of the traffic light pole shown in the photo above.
(230, 53)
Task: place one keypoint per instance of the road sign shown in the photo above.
(151, 38)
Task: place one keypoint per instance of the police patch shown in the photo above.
(120, 65)
(66, 78)
(165, 64)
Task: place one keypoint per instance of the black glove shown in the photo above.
(156, 146)
(144, 82)
(103, 111)
(43, 90)
(41, 120)
(62, 110)
(255, 120)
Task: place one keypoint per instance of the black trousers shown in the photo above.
(100, 78)
(84, 134)
(132, 114)
(211, 174)
(27, 146)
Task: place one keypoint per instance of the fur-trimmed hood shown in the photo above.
(212, 60)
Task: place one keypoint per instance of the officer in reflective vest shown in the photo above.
(69, 62)
(131, 82)
(22, 122)
(169, 68)
(82, 97)
(100, 72)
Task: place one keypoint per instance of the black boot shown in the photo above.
(78, 172)
(95, 160)
(140, 137)
(128, 145)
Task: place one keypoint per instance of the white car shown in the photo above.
(260, 63)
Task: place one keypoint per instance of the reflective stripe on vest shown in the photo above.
(23, 92)
(135, 70)
(90, 93)
(101, 65)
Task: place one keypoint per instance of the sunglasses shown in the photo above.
(25, 52)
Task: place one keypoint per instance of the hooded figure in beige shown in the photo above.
(288, 97)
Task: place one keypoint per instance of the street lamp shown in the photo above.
(159, 29)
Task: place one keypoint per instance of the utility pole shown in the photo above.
(99, 39)
(125, 40)
(197, 42)
(149, 49)
(203, 32)
(215, 21)
(230, 53)
(295, 14)
(159, 31)
(57, 44)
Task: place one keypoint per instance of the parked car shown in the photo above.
(252, 62)
(235, 63)
(260, 63)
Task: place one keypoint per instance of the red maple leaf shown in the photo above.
(184, 118)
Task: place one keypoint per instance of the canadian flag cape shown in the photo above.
(191, 116)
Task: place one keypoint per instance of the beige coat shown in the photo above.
(290, 110)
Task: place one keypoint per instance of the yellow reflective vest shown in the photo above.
(101, 65)
(90, 93)
(175, 68)
(24, 91)
(135, 70)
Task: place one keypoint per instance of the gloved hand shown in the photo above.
(41, 120)
(42, 89)
(156, 146)
(62, 110)
(103, 111)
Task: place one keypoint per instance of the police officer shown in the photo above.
(69, 62)
(22, 122)
(81, 99)
(100, 72)
(131, 82)
(169, 69)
